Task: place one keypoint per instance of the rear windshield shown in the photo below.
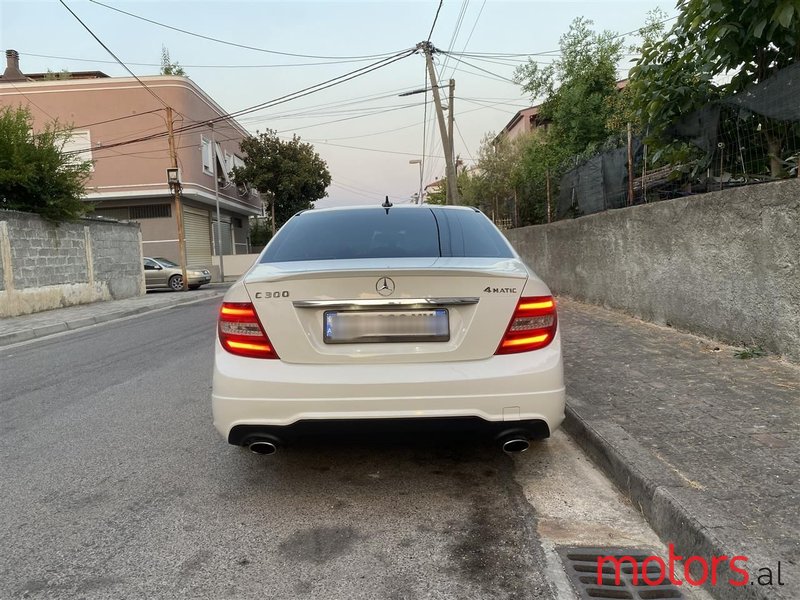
(372, 233)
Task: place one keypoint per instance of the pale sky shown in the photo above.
(365, 132)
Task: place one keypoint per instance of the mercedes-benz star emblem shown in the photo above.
(385, 286)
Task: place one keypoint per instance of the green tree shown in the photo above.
(36, 174)
(746, 40)
(289, 173)
(260, 232)
(167, 66)
(536, 176)
(576, 86)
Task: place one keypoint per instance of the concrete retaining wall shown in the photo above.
(43, 266)
(235, 265)
(724, 264)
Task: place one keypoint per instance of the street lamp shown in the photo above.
(174, 179)
(417, 161)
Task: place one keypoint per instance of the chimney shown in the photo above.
(12, 72)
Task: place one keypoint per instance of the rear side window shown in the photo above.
(372, 233)
(470, 233)
(349, 234)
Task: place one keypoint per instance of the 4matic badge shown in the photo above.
(494, 290)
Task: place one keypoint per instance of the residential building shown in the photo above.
(119, 123)
(523, 122)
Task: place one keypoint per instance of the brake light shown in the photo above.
(241, 333)
(533, 325)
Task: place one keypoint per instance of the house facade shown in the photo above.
(120, 125)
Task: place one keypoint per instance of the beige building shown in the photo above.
(121, 127)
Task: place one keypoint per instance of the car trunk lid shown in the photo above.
(386, 310)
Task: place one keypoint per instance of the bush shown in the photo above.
(36, 174)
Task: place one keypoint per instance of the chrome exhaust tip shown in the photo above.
(262, 447)
(516, 445)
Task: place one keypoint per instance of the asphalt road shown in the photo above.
(114, 484)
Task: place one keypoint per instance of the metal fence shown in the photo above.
(748, 138)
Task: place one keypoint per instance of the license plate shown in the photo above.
(364, 327)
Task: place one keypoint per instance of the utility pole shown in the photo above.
(176, 191)
(216, 196)
(450, 121)
(452, 189)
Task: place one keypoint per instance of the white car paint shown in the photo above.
(462, 377)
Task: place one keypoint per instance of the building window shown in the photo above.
(237, 222)
(79, 146)
(151, 211)
(208, 155)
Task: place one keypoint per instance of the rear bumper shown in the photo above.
(275, 396)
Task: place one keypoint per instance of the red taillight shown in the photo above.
(241, 333)
(532, 327)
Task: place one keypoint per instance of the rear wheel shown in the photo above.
(176, 283)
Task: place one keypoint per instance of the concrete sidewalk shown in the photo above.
(705, 444)
(28, 327)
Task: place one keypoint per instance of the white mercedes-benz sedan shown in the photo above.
(422, 317)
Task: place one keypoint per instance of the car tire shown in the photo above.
(176, 283)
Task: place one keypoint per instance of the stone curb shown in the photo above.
(24, 335)
(652, 492)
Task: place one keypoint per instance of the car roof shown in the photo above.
(393, 207)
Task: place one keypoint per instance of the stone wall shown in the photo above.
(43, 266)
(724, 265)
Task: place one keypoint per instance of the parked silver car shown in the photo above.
(163, 273)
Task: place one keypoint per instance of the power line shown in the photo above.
(313, 109)
(234, 44)
(456, 31)
(145, 64)
(149, 112)
(107, 49)
(280, 100)
(461, 60)
(52, 118)
(466, 148)
(374, 133)
(435, 18)
(556, 52)
(424, 131)
(371, 114)
(381, 150)
(490, 76)
(428, 121)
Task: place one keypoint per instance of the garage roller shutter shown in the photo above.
(197, 226)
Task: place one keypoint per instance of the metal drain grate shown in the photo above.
(581, 566)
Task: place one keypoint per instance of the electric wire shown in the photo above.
(472, 31)
(280, 100)
(557, 52)
(462, 61)
(234, 44)
(380, 112)
(435, 18)
(454, 37)
(107, 49)
(146, 64)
